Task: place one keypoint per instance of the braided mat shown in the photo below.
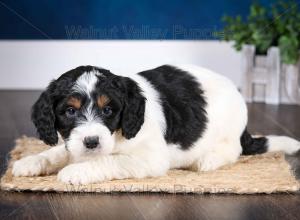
(267, 173)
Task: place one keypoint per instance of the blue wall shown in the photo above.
(116, 19)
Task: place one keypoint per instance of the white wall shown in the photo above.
(32, 64)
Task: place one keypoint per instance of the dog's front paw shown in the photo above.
(30, 166)
(79, 173)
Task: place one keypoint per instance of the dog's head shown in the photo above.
(87, 106)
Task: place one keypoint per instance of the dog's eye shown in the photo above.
(70, 112)
(107, 111)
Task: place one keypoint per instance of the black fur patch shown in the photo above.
(127, 102)
(183, 104)
(133, 110)
(252, 145)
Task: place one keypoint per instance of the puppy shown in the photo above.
(117, 127)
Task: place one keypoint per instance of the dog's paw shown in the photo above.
(30, 166)
(79, 173)
(211, 161)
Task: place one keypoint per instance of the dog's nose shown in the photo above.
(91, 142)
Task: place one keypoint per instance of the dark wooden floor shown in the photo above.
(265, 119)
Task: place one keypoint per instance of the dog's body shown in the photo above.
(117, 127)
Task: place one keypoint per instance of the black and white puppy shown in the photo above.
(117, 127)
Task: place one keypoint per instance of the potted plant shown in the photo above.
(286, 18)
(259, 37)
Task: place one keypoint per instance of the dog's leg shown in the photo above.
(120, 166)
(46, 162)
(224, 153)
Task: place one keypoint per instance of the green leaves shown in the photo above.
(264, 27)
(236, 31)
(287, 22)
(262, 32)
(288, 45)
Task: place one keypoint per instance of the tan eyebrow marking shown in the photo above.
(102, 101)
(74, 102)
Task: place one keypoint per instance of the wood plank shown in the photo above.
(259, 122)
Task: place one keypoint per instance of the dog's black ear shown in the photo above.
(43, 117)
(134, 109)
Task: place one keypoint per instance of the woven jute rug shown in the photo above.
(266, 173)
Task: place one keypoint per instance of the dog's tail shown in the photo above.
(258, 145)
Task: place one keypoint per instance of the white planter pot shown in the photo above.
(290, 84)
(261, 75)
